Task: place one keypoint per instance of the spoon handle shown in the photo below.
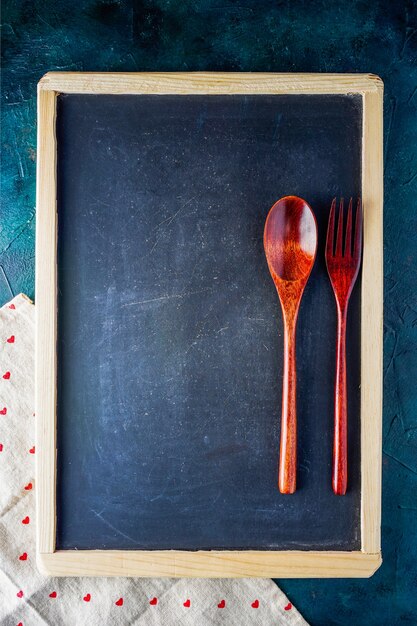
(288, 447)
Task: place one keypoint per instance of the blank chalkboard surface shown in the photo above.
(169, 328)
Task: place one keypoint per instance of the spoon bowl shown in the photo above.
(290, 243)
(290, 239)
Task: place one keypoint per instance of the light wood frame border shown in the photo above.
(275, 564)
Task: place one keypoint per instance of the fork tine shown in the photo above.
(330, 230)
(348, 236)
(357, 249)
(339, 236)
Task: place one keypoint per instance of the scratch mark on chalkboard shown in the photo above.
(98, 231)
(154, 245)
(277, 126)
(203, 240)
(162, 495)
(266, 510)
(168, 221)
(200, 331)
(168, 297)
(116, 530)
(100, 201)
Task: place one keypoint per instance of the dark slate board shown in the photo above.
(169, 327)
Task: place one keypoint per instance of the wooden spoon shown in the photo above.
(290, 242)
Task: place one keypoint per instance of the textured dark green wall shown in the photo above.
(283, 36)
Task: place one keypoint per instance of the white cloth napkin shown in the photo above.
(27, 598)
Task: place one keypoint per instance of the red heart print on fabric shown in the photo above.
(12, 306)
(23, 557)
(6, 375)
(26, 520)
(3, 411)
(87, 598)
(119, 602)
(11, 339)
(255, 604)
(32, 450)
(20, 594)
(288, 607)
(20, 624)
(1, 447)
(187, 603)
(221, 604)
(154, 601)
(53, 594)
(28, 487)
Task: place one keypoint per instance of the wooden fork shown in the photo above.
(343, 269)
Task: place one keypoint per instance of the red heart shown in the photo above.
(12, 306)
(288, 607)
(20, 624)
(28, 486)
(221, 604)
(1, 447)
(3, 411)
(255, 604)
(26, 520)
(53, 594)
(119, 602)
(10, 339)
(32, 450)
(154, 601)
(6, 376)
(87, 598)
(187, 603)
(20, 594)
(23, 557)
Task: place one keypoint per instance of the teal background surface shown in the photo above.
(282, 36)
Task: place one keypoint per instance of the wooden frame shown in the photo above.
(222, 563)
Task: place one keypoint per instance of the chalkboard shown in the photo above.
(169, 328)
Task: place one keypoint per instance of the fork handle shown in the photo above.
(288, 445)
(339, 479)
